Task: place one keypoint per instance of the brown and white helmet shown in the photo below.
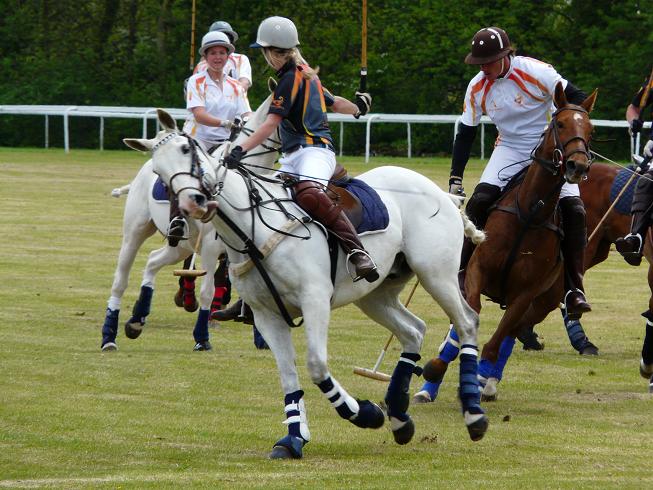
(489, 45)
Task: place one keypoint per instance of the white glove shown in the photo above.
(648, 149)
(226, 123)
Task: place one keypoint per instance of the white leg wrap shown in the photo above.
(114, 303)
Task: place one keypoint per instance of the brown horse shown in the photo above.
(519, 264)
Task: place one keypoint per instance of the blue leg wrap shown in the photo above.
(201, 330)
(142, 306)
(448, 352)
(504, 354)
(293, 444)
(647, 348)
(259, 341)
(575, 332)
(110, 327)
(397, 398)
(470, 396)
(344, 404)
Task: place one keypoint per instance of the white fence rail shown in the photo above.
(146, 113)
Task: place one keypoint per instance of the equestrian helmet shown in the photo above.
(222, 26)
(216, 38)
(276, 32)
(489, 45)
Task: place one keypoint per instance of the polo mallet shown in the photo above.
(374, 373)
(192, 37)
(191, 272)
(362, 87)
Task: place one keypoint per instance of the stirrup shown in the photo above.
(575, 315)
(371, 275)
(177, 231)
(633, 257)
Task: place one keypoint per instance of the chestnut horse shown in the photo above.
(519, 265)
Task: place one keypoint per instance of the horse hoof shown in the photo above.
(434, 370)
(133, 329)
(179, 298)
(478, 429)
(645, 370)
(489, 393)
(281, 452)
(405, 433)
(370, 415)
(202, 346)
(109, 347)
(422, 397)
(191, 306)
(589, 350)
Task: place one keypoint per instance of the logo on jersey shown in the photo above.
(278, 103)
(519, 100)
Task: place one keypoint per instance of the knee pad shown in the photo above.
(483, 197)
(312, 198)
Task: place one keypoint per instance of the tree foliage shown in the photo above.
(137, 53)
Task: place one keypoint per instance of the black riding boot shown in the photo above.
(573, 251)
(465, 255)
(632, 245)
(177, 226)
(238, 312)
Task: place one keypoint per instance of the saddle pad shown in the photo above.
(160, 191)
(375, 213)
(626, 199)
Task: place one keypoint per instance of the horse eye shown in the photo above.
(185, 149)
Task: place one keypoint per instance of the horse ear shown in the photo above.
(588, 104)
(559, 98)
(272, 84)
(138, 144)
(166, 120)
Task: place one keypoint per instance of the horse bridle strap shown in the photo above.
(257, 256)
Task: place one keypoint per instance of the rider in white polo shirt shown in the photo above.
(516, 92)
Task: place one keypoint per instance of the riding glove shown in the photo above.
(364, 103)
(456, 186)
(648, 149)
(636, 126)
(234, 157)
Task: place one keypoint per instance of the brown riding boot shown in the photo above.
(573, 251)
(312, 198)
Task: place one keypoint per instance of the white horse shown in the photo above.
(424, 237)
(143, 216)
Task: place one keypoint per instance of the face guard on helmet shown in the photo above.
(276, 32)
(222, 26)
(216, 38)
(489, 45)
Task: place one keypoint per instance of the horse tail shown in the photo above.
(471, 232)
(119, 191)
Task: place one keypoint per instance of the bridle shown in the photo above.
(560, 157)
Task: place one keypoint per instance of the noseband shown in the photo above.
(560, 158)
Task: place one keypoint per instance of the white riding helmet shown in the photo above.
(276, 32)
(222, 26)
(216, 38)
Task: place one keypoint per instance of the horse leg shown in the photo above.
(209, 256)
(134, 234)
(383, 306)
(185, 296)
(222, 293)
(155, 261)
(278, 336)
(577, 337)
(646, 361)
(435, 369)
(465, 320)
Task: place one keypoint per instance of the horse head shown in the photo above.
(181, 164)
(567, 138)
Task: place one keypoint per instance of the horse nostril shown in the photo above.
(200, 199)
(571, 166)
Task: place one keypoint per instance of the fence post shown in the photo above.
(66, 132)
(368, 130)
(47, 131)
(342, 135)
(101, 133)
(409, 140)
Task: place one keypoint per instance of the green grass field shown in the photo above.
(157, 415)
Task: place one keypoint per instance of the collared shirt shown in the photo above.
(237, 66)
(520, 103)
(302, 103)
(225, 101)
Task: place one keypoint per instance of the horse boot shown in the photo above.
(311, 197)
(177, 225)
(632, 245)
(573, 252)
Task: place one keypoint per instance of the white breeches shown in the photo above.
(309, 163)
